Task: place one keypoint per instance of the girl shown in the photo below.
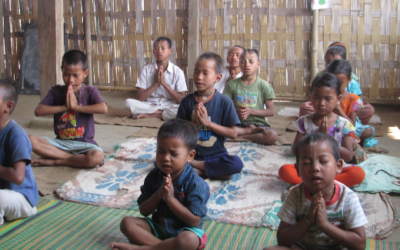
(325, 91)
(350, 103)
(337, 50)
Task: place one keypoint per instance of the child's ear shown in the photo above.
(85, 73)
(339, 97)
(191, 155)
(296, 166)
(9, 106)
(218, 78)
(170, 51)
(339, 166)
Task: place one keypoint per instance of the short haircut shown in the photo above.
(251, 51)
(336, 48)
(326, 80)
(236, 46)
(8, 92)
(340, 67)
(308, 139)
(219, 65)
(74, 57)
(163, 38)
(180, 129)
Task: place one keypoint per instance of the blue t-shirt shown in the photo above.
(190, 190)
(16, 146)
(220, 111)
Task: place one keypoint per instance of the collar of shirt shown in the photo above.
(169, 69)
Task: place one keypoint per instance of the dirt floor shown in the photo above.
(107, 136)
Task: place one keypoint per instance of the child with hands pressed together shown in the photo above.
(325, 92)
(73, 106)
(215, 118)
(232, 71)
(173, 192)
(320, 213)
(253, 99)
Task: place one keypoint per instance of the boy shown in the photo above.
(161, 83)
(18, 189)
(252, 97)
(215, 117)
(173, 193)
(73, 106)
(232, 71)
(320, 213)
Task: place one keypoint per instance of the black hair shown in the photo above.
(317, 137)
(8, 92)
(326, 80)
(340, 67)
(236, 46)
(216, 58)
(180, 129)
(251, 51)
(336, 49)
(74, 57)
(162, 38)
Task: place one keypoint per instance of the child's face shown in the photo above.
(74, 75)
(162, 51)
(172, 156)
(204, 75)
(324, 100)
(249, 63)
(344, 81)
(233, 58)
(317, 167)
(329, 58)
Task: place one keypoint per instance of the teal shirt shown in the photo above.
(253, 96)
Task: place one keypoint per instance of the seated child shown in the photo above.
(173, 192)
(232, 71)
(325, 90)
(351, 103)
(337, 50)
(320, 213)
(161, 83)
(73, 106)
(215, 117)
(252, 97)
(18, 189)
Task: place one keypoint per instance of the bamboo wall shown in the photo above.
(123, 32)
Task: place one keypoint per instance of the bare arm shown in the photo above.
(150, 205)
(288, 235)
(352, 118)
(202, 117)
(98, 108)
(346, 148)
(143, 94)
(177, 96)
(269, 111)
(42, 109)
(351, 239)
(14, 174)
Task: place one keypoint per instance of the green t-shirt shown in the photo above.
(353, 76)
(253, 96)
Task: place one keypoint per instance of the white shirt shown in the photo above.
(174, 77)
(220, 86)
(344, 211)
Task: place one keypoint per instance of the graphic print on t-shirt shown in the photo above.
(246, 98)
(69, 133)
(206, 139)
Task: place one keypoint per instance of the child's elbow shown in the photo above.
(19, 179)
(104, 109)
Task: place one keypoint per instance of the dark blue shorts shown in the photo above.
(221, 164)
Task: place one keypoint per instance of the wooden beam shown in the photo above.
(88, 41)
(193, 41)
(51, 44)
(1, 41)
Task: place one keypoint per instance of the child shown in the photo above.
(161, 83)
(320, 213)
(73, 106)
(173, 193)
(233, 71)
(325, 90)
(337, 50)
(18, 189)
(215, 117)
(351, 103)
(251, 95)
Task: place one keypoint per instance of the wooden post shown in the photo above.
(1, 41)
(193, 41)
(314, 49)
(88, 41)
(51, 44)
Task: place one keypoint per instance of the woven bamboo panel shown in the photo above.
(123, 32)
(16, 14)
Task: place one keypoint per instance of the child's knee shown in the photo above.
(96, 157)
(126, 223)
(272, 136)
(188, 240)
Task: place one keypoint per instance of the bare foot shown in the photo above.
(141, 116)
(124, 246)
(43, 162)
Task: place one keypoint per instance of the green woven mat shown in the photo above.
(67, 225)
